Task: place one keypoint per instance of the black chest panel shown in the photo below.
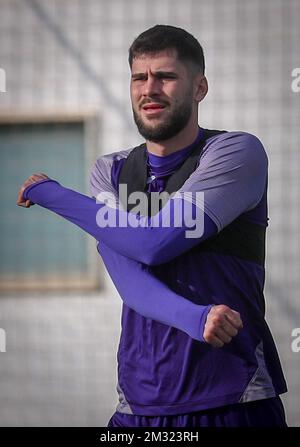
(241, 238)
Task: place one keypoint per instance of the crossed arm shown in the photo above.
(122, 254)
(146, 294)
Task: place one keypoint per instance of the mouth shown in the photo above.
(153, 108)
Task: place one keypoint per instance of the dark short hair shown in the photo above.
(165, 37)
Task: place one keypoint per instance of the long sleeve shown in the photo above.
(147, 240)
(145, 294)
(229, 181)
(150, 297)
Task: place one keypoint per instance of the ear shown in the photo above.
(201, 87)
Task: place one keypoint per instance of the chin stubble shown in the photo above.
(172, 125)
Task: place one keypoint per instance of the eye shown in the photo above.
(139, 77)
(166, 76)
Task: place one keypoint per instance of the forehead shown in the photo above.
(166, 60)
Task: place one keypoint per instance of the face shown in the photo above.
(162, 95)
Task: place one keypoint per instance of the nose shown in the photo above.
(152, 86)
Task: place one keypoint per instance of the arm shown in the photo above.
(232, 175)
(162, 304)
(152, 298)
(144, 239)
(214, 324)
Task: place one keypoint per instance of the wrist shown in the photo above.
(32, 185)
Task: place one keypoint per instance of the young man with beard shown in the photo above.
(195, 349)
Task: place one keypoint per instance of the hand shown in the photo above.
(32, 179)
(222, 323)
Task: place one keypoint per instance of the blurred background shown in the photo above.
(66, 103)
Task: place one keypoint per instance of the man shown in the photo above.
(195, 349)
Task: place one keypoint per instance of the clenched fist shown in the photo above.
(32, 179)
(222, 324)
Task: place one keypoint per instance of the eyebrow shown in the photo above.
(158, 73)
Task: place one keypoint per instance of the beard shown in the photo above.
(172, 125)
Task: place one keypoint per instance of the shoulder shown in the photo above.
(230, 158)
(235, 145)
(101, 173)
(106, 161)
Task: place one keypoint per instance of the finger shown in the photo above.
(20, 198)
(215, 341)
(32, 179)
(24, 203)
(229, 328)
(43, 175)
(40, 175)
(234, 318)
(222, 335)
(37, 177)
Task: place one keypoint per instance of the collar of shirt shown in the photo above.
(161, 167)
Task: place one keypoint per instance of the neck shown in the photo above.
(184, 138)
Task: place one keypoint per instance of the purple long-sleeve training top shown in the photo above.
(173, 289)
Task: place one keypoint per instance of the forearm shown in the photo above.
(148, 296)
(150, 242)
